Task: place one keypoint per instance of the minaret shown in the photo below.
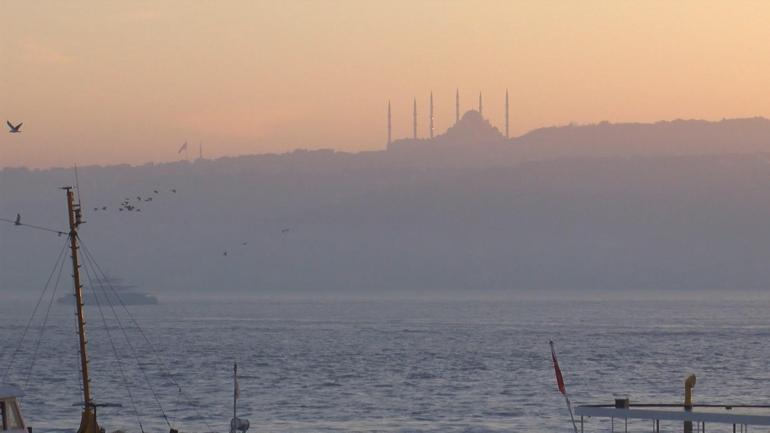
(389, 124)
(431, 114)
(457, 105)
(481, 105)
(414, 119)
(506, 114)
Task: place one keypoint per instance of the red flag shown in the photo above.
(559, 378)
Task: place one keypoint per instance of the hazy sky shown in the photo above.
(110, 82)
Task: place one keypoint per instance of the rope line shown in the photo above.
(76, 345)
(45, 322)
(122, 371)
(133, 351)
(32, 226)
(34, 312)
(153, 349)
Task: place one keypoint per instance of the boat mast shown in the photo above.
(88, 418)
(235, 393)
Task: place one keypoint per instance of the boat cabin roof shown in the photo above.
(10, 391)
(721, 414)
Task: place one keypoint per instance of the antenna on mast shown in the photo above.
(77, 189)
(77, 182)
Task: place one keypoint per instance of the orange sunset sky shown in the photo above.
(128, 82)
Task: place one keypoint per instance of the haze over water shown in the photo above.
(234, 162)
(405, 366)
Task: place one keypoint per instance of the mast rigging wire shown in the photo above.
(122, 371)
(45, 322)
(32, 226)
(34, 312)
(136, 358)
(153, 349)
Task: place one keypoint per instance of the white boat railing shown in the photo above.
(699, 415)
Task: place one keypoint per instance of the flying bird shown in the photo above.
(285, 231)
(244, 243)
(18, 220)
(155, 191)
(224, 253)
(173, 190)
(104, 207)
(14, 129)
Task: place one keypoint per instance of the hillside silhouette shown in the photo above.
(679, 205)
(474, 140)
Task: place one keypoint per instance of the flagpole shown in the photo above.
(571, 416)
(562, 388)
(233, 422)
(235, 390)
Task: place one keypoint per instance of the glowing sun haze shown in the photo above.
(113, 82)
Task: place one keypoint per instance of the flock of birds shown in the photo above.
(127, 205)
(132, 205)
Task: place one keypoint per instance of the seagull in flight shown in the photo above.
(14, 129)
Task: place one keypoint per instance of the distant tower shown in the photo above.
(389, 124)
(457, 105)
(414, 118)
(506, 114)
(481, 105)
(431, 114)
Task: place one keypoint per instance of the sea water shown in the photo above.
(384, 366)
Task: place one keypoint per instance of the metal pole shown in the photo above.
(571, 416)
(235, 394)
(88, 422)
(78, 295)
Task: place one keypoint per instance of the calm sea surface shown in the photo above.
(386, 366)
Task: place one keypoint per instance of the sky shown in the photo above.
(128, 82)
